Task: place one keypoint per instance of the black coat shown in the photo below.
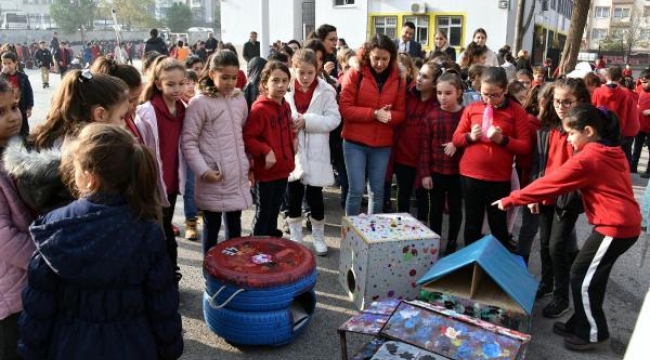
(156, 44)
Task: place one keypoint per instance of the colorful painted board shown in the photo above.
(394, 350)
(458, 337)
(383, 255)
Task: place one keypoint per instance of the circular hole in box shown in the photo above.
(352, 282)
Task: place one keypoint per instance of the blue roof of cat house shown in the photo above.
(507, 270)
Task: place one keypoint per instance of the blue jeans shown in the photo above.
(359, 159)
(189, 204)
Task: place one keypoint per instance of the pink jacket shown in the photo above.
(212, 139)
(16, 246)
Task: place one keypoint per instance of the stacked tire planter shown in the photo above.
(259, 290)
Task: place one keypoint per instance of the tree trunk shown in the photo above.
(521, 26)
(574, 38)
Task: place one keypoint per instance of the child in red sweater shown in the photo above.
(269, 140)
(598, 170)
(644, 122)
(489, 148)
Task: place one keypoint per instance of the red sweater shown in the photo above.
(644, 104)
(407, 134)
(358, 102)
(614, 98)
(169, 136)
(489, 161)
(267, 129)
(601, 173)
(633, 125)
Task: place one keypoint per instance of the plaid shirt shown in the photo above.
(437, 129)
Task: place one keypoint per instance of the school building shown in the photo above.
(357, 20)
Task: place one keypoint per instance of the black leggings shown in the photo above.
(170, 238)
(406, 177)
(479, 196)
(446, 188)
(313, 195)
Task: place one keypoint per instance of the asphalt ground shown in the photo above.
(625, 293)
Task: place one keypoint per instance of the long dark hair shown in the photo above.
(218, 61)
(379, 41)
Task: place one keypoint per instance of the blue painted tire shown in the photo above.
(275, 327)
(266, 299)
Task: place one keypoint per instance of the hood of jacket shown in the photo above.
(610, 155)
(69, 240)
(37, 175)
(615, 93)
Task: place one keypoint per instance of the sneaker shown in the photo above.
(556, 308)
(645, 175)
(561, 329)
(543, 290)
(191, 232)
(572, 342)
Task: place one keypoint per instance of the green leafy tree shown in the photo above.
(71, 15)
(179, 17)
(130, 13)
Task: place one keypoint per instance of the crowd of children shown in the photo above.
(473, 138)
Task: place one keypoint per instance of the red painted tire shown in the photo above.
(259, 262)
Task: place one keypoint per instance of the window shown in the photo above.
(598, 34)
(602, 12)
(343, 2)
(386, 25)
(452, 26)
(618, 34)
(646, 11)
(421, 28)
(644, 35)
(553, 5)
(621, 13)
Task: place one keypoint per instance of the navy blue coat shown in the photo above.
(100, 286)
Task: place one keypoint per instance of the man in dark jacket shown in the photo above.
(43, 58)
(252, 47)
(405, 44)
(63, 58)
(211, 44)
(155, 43)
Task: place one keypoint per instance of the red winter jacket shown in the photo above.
(358, 101)
(489, 161)
(267, 129)
(644, 104)
(614, 98)
(601, 173)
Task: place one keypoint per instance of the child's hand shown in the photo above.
(534, 208)
(476, 132)
(212, 176)
(494, 134)
(450, 149)
(427, 182)
(29, 113)
(269, 160)
(499, 204)
(299, 123)
(328, 67)
(251, 178)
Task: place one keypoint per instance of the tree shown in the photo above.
(71, 15)
(179, 17)
(520, 25)
(574, 38)
(130, 13)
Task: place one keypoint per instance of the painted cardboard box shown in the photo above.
(454, 336)
(383, 255)
(484, 281)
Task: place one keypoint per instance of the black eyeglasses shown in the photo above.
(563, 103)
(492, 96)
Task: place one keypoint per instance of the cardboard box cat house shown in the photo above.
(485, 281)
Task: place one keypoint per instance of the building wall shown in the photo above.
(237, 20)
(351, 21)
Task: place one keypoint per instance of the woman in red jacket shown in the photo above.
(490, 133)
(599, 171)
(372, 104)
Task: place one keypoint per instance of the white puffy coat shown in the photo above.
(313, 166)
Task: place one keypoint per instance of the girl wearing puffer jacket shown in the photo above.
(315, 113)
(213, 146)
(16, 246)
